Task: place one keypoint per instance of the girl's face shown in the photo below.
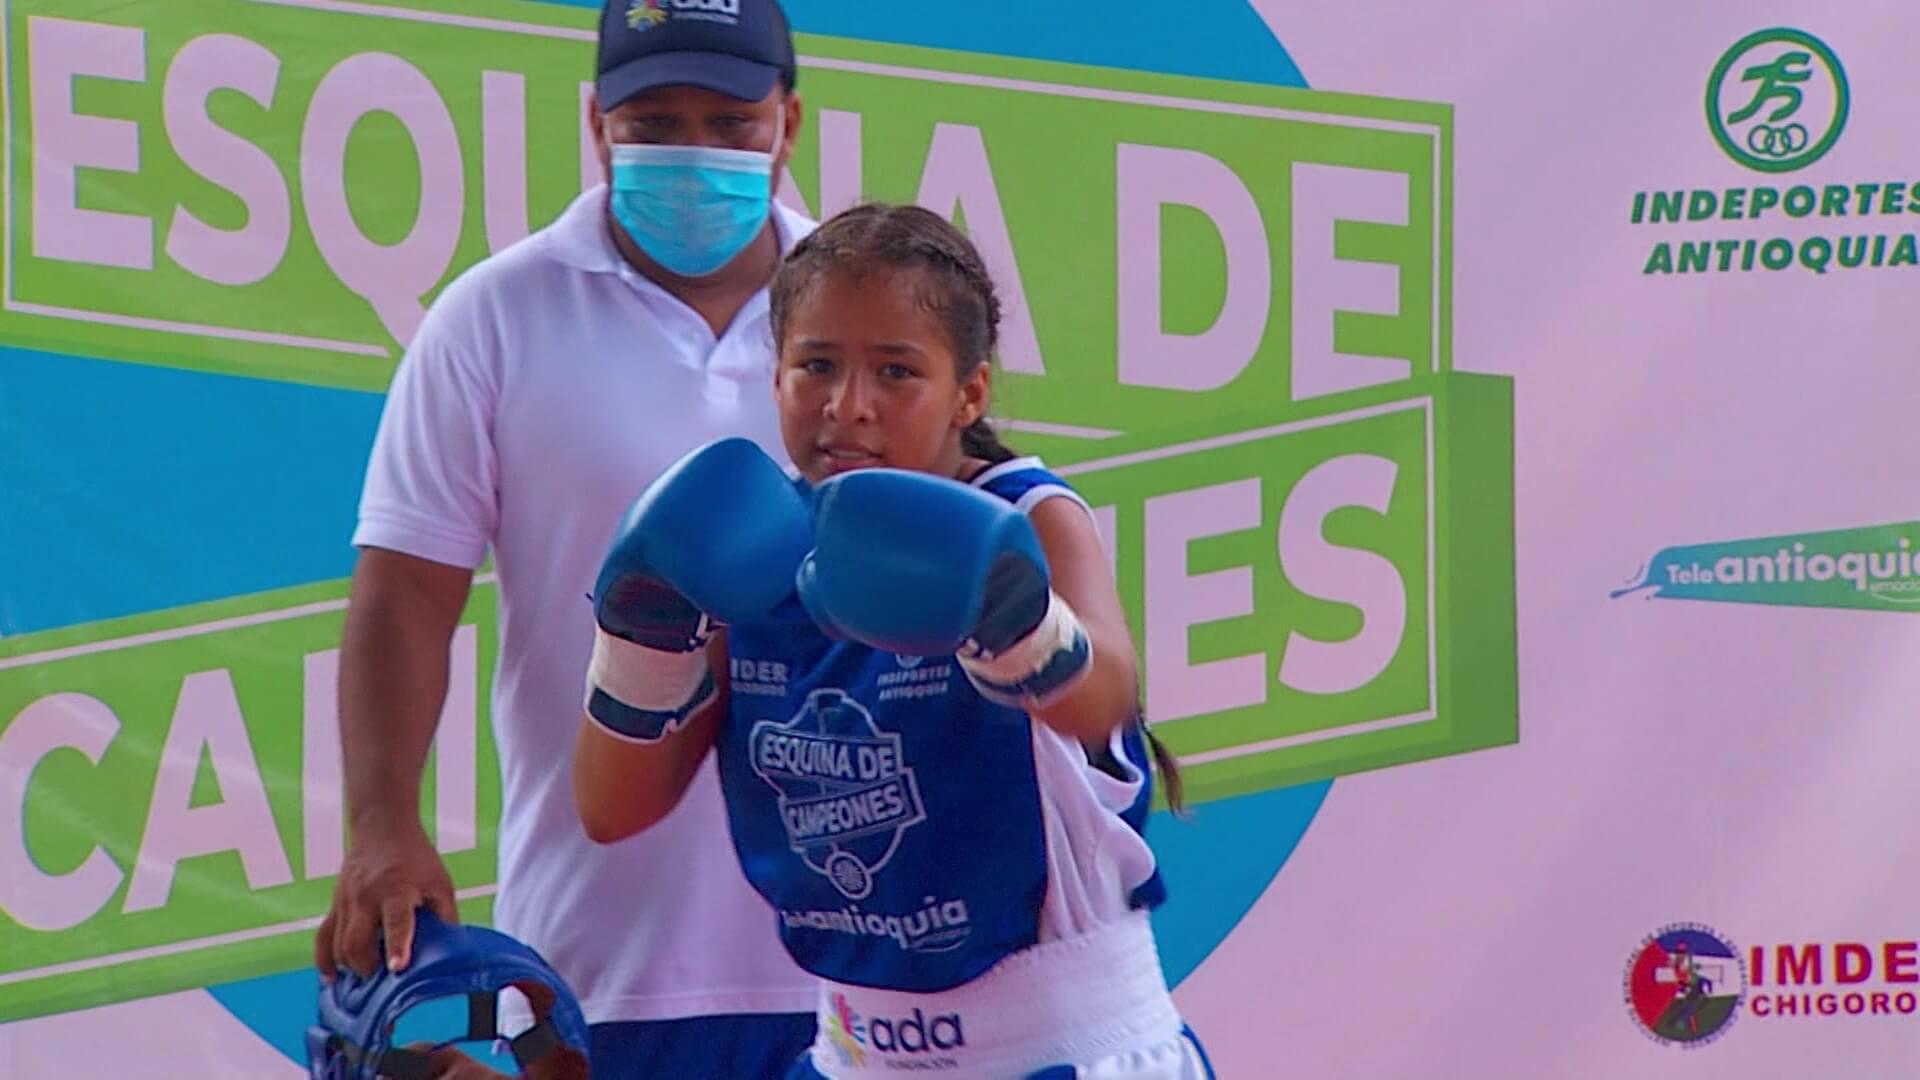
(866, 378)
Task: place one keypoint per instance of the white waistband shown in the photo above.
(1054, 1004)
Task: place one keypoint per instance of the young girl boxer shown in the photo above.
(923, 702)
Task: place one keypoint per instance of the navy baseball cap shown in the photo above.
(739, 48)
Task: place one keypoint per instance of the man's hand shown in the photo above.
(401, 614)
(389, 872)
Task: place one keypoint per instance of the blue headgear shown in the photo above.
(353, 1038)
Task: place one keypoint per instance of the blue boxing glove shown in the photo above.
(920, 565)
(716, 538)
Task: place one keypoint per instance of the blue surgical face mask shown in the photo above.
(692, 209)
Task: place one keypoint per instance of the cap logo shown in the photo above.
(644, 15)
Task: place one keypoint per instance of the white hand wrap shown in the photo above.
(641, 695)
(1038, 668)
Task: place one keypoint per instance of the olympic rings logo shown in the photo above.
(1777, 142)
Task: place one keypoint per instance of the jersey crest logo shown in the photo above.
(845, 793)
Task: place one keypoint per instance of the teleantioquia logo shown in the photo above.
(1871, 567)
(1777, 102)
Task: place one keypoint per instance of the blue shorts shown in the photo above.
(747, 1047)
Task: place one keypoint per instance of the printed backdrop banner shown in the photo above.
(1418, 361)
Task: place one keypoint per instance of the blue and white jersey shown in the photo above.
(909, 833)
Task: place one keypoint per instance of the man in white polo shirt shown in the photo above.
(546, 388)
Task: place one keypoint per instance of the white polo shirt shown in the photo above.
(546, 388)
